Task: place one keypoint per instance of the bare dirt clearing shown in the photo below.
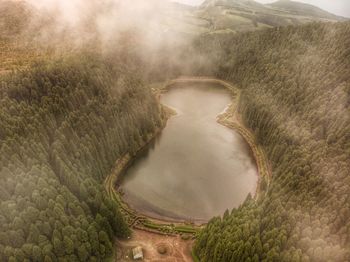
(176, 248)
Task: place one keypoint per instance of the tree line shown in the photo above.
(64, 122)
(296, 99)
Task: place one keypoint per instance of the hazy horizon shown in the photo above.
(337, 7)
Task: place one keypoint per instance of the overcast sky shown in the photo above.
(338, 7)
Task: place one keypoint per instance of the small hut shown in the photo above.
(137, 253)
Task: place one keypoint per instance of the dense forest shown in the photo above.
(295, 85)
(64, 122)
(69, 111)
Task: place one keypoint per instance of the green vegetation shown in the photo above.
(63, 125)
(241, 15)
(65, 121)
(303, 9)
(186, 229)
(296, 99)
(194, 257)
(231, 119)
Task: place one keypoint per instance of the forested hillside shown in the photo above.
(66, 119)
(248, 15)
(63, 125)
(295, 85)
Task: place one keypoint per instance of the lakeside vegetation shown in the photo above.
(67, 118)
(134, 219)
(296, 99)
(228, 119)
(63, 125)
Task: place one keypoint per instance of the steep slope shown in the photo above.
(63, 125)
(296, 98)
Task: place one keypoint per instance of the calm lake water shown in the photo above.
(196, 168)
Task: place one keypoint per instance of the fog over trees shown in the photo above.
(64, 123)
(79, 86)
(296, 99)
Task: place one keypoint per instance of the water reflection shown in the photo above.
(196, 168)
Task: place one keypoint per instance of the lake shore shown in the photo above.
(229, 118)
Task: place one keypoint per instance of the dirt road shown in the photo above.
(177, 249)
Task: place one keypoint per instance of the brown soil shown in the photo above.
(177, 248)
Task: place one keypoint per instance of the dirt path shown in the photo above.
(177, 248)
